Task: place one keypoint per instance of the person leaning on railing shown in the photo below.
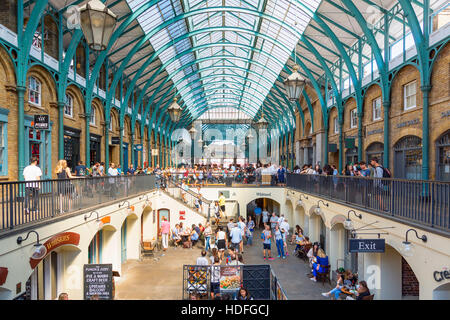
(32, 172)
(65, 188)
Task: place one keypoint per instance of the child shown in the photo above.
(266, 236)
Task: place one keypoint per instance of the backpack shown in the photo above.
(386, 172)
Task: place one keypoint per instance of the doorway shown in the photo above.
(375, 150)
(263, 203)
(125, 158)
(39, 146)
(43, 282)
(95, 155)
(408, 158)
(71, 147)
(163, 213)
(443, 157)
(123, 242)
(351, 156)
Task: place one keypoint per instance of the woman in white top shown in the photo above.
(207, 233)
(222, 240)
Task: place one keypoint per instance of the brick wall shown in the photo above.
(8, 14)
(438, 104)
(410, 285)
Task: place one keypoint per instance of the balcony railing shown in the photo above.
(225, 179)
(426, 203)
(25, 202)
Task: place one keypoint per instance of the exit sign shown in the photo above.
(366, 245)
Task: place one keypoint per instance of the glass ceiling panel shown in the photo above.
(217, 63)
(224, 113)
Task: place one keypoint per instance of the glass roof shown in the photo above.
(224, 53)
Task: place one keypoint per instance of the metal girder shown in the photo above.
(156, 54)
(147, 5)
(232, 76)
(203, 46)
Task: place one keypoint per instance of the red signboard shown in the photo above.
(3, 275)
(56, 241)
(182, 213)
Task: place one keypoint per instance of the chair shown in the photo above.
(368, 297)
(147, 248)
(324, 275)
(302, 253)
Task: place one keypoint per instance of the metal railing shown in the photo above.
(260, 281)
(223, 179)
(187, 196)
(426, 203)
(24, 202)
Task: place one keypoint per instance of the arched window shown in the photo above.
(93, 117)
(34, 91)
(68, 106)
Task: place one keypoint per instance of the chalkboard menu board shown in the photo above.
(98, 281)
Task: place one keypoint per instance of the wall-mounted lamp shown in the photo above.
(300, 202)
(123, 203)
(318, 210)
(86, 216)
(407, 249)
(38, 250)
(348, 224)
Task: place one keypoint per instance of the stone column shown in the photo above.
(298, 154)
(305, 155)
(319, 148)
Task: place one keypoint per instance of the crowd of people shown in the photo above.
(372, 169)
(220, 174)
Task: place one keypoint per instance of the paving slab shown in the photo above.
(162, 278)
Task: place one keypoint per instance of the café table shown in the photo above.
(349, 292)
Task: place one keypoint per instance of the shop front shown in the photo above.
(443, 157)
(408, 158)
(95, 148)
(375, 150)
(39, 145)
(71, 147)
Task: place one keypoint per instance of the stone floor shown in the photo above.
(162, 278)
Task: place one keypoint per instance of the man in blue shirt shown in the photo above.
(80, 169)
(258, 212)
(365, 172)
(236, 237)
(131, 170)
(273, 221)
(266, 236)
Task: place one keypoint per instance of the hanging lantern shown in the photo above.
(192, 132)
(262, 123)
(97, 23)
(294, 85)
(175, 111)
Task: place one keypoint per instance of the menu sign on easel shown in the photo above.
(98, 281)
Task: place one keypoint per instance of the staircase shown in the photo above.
(187, 198)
